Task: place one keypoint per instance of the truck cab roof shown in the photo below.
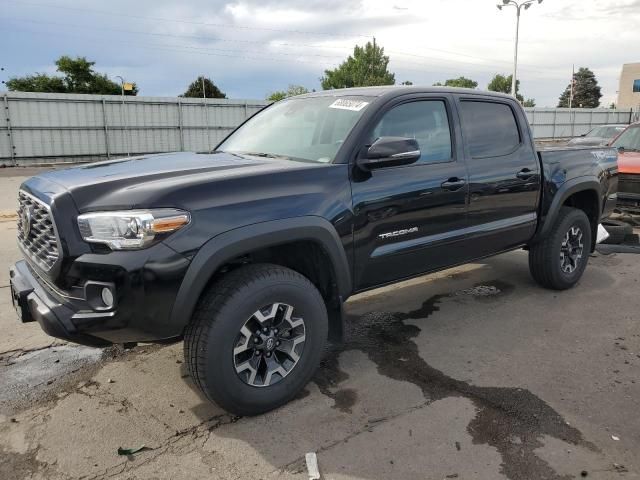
(396, 90)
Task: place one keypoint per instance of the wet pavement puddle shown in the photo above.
(512, 420)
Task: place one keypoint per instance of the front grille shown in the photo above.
(36, 231)
(628, 183)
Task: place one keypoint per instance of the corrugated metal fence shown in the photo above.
(42, 127)
(554, 123)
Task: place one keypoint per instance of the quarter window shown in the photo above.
(490, 128)
(425, 121)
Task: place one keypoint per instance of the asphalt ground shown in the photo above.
(472, 373)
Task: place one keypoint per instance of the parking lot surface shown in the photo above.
(472, 373)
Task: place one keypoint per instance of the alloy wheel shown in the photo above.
(269, 345)
(571, 250)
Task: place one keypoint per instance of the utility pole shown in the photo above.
(519, 7)
(573, 79)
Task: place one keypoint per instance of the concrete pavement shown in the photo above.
(473, 373)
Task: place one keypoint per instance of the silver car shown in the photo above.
(597, 136)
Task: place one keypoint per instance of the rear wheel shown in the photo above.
(559, 260)
(256, 338)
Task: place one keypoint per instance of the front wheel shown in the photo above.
(558, 261)
(256, 338)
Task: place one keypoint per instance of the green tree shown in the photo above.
(407, 82)
(586, 91)
(365, 68)
(502, 83)
(78, 77)
(194, 90)
(39, 82)
(529, 102)
(460, 82)
(291, 91)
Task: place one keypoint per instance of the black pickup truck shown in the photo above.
(249, 252)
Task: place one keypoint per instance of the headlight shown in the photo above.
(130, 229)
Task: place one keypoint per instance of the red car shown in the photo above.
(628, 145)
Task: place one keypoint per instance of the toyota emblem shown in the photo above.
(27, 215)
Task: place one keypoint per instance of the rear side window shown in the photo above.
(490, 128)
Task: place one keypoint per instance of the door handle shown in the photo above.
(525, 174)
(453, 184)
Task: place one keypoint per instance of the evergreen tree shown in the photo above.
(586, 91)
(366, 67)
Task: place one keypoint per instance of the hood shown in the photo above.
(126, 182)
(629, 162)
(588, 141)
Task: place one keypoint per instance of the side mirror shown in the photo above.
(389, 152)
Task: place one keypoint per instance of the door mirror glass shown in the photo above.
(389, 152)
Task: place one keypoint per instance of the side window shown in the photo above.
(636, 85)
(490, 128)
(426, 121)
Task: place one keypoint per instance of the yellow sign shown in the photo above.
(128, 87)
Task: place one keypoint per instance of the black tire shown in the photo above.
(617, 230)
(224, 309)
(545, 260)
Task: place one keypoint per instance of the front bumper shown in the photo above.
(144, 283)
(34, 304)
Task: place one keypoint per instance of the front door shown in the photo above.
(408, 219)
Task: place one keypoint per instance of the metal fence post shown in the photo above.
(246, 110)
(12, 147)
(106, 128)
(180, 126)
(206, 121)
(555, 117)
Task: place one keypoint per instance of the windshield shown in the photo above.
(310, 128)
(629, 140)
(604, 132)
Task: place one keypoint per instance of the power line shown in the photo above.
(484, 67)
(248, 55)
(191, 22)
(182, 49)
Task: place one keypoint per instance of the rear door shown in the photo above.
(407, 218)
(504, 174)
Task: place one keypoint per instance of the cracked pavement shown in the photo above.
(472, 373)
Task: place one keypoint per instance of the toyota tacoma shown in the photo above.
(247, 253)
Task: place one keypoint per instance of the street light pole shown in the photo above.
(519, 7)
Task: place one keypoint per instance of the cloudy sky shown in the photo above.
(253, 47)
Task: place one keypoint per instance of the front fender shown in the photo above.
(234, 243)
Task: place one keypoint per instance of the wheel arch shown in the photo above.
(310, 234)
(582, 193)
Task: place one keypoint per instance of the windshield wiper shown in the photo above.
(265, 155)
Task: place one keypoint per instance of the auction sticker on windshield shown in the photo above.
(346, 104)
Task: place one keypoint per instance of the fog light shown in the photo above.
(107, 297)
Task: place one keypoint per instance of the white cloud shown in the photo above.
(252, 47)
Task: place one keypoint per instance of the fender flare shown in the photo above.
(567, 189)
(239, 241)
